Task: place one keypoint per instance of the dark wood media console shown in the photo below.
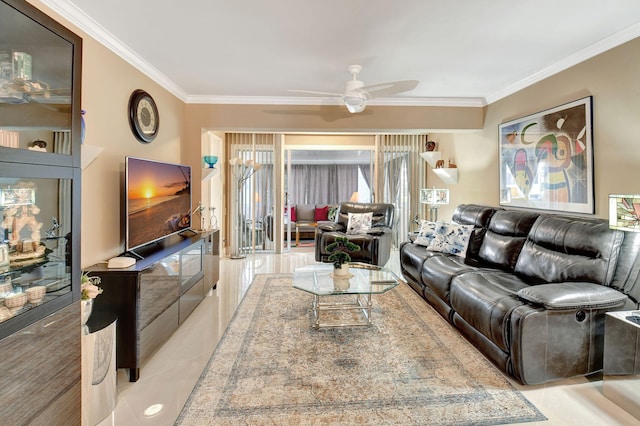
(155, 296)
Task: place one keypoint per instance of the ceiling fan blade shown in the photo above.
(390, 88)
(313, 92)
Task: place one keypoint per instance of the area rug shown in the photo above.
(408, 367)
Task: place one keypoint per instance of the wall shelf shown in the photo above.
(448, 175)
(208, 173)
(431, 157)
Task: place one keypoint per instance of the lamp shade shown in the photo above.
(624, 212)
(434, 196)
(355, 197)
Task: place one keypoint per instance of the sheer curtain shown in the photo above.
(322, 184)
(402, 173)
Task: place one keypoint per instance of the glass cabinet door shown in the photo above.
(40, 127)
(36, 260)
(36, 86)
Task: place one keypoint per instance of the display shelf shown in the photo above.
(431, 157)
(208, 173)
(447, 175)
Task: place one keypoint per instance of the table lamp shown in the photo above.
(435, 198)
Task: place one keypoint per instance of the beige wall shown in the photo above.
(611, 78)
(107, 83)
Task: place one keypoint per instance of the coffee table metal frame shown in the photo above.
(318, 280)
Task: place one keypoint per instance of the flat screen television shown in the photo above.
(158, 201)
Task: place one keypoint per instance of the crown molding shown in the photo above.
(77, 17)
(73, 14)
(283, 100)
(595, 49)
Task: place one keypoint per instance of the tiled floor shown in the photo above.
(168, 378)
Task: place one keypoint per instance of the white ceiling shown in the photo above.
(463, 52)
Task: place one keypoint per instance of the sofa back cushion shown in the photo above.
(478, 216)
(305, 212)
(382, 213)
(504, 238)
(561, 249)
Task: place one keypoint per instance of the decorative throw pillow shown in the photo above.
(292, 217)
(359, 223)
(451, 238)
(426, 233)
(321, 213)
(331, 214)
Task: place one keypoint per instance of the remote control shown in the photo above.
(634, 319)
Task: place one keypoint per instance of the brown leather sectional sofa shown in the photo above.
(533, 289)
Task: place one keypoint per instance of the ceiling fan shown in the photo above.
(356, 94)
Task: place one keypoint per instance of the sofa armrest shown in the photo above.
(330, 227)
(378, 231)
(572, 295)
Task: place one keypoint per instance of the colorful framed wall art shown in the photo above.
(546, 159)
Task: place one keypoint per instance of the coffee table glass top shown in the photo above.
(366, 279)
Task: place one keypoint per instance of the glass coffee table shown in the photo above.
(356, 291)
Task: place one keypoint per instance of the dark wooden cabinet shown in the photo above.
(156, 295)
(40, 126)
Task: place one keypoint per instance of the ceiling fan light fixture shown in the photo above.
(355, 104)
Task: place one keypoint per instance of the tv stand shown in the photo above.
(133, 254)
(156, 295)
(188, 233)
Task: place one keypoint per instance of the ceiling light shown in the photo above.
(355, 103)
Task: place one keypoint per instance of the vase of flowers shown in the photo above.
(89, 290)
(340, 249)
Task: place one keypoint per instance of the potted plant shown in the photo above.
(340, 249)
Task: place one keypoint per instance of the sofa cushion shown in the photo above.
(412, 257)
(485, 301)
(331, 214)
(478, 216)
(438, 271)
(573, 296)
(321, 213)
(305, 212)
(451, 238)
(426, 233)
(359, 223)
(564, 249)
(504, 238)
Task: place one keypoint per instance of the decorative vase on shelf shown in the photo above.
(86, 306)
(210, 160)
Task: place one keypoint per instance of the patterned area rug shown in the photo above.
(409, 367)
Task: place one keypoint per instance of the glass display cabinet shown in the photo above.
(40, 128)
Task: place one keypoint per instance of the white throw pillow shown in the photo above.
(451, 238)
(426, 233)
(359, 223)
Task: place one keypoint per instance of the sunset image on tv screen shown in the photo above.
(158, 200)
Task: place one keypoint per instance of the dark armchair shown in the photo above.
(375, 244)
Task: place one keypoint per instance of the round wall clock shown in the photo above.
(143, 116)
